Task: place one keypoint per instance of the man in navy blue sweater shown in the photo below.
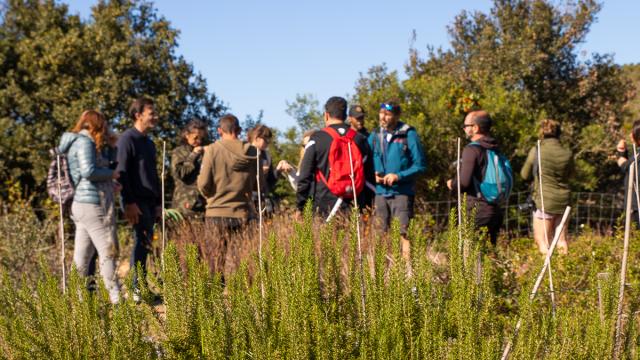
(141, 194)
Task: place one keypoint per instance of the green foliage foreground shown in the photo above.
(305, 303)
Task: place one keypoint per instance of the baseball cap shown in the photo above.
(356, 111)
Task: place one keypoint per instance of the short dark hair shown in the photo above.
(336, 107)
(395, 106)
(193, 124)
(229, 124)
(482, 119)
(260, 131)
(549, 128)
(138, 105)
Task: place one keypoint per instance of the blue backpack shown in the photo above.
(497, 180)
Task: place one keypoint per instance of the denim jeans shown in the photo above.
(95, 233)
(142, 238)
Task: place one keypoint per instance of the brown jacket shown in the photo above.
(227, 177)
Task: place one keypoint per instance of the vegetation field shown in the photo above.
(305, 300)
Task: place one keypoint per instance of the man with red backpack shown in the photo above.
(331, 157)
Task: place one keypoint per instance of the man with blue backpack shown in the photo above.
(398, 159)
(485, 174)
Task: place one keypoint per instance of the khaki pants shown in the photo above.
(538, 233)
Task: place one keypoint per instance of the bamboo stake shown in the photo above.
(625, 253)
(357, 210)
(534, 291)
(601, 277)
(164, 154)
(260, 221)
(546, 236)
(62, 255)
(459, 199)
(635, 159)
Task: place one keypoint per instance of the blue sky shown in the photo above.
(259, 54)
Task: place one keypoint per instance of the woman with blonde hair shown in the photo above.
(92, 209)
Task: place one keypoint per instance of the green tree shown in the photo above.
(55, 65)
(520, 62)
(632, 73)
(305, 109)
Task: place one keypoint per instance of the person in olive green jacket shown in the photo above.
(557, 168)
(185, 167)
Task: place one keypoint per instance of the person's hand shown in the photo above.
(622, 145)
(117, 187)
(450, 184)
(115, 175)
(379, 179)
(198, 149)
(390, 179)
(158, 213)
(132, 213)
(284, 165)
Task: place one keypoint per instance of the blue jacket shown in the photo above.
(81, 156)
(401, 155)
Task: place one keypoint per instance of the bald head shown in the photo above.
(480, 118)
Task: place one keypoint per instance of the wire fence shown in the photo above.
(598, 212)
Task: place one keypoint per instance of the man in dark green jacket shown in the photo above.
(557, 168)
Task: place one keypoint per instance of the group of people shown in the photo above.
(342, 165)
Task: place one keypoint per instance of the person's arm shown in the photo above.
(527, 169)
(87, 162)
(467, 164)
(418, 159)
(205, 178)
(306, 176)
(125, 156)
(184, 165)
(367, 154)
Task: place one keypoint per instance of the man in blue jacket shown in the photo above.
(398, 159)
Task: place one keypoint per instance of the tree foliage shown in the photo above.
(55, 65)
(520, 62)
(632, 72)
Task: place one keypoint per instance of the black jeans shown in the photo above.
(489, 216)
(142, 238)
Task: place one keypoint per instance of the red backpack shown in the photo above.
(339, 181)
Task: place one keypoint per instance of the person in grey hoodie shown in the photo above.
(227, 178)
(92, 209)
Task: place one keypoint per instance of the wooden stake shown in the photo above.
(357, 210)
(534, 291)
(459, 199)
(260, 221)
(164, 154)
(623, 267)
(601, 277)
(635, 179)
(62, 255)
(546, 236)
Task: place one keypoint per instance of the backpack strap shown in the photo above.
(332, 132)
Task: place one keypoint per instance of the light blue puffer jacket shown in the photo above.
(81, 156)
